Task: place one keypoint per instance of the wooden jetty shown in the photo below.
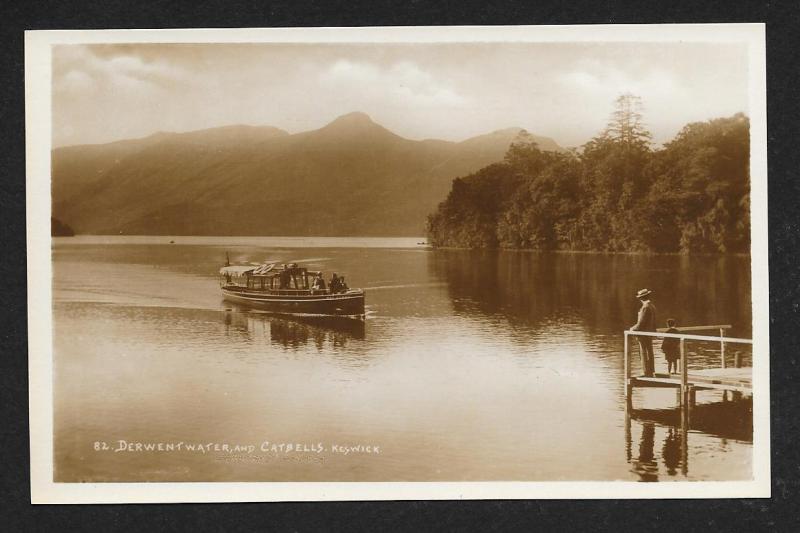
(737, 379)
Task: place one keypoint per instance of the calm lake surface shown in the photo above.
(469, 366)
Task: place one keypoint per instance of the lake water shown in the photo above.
(469, 366)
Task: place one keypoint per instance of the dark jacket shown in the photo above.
(671, 346)
(336, 284)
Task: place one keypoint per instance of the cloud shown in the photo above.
(79, 70)
(76, 81)
(90, 87)
(592, 86)
(404, 82)
(608, 81)
(562, 90)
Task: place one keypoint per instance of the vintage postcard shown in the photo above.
(397, 263)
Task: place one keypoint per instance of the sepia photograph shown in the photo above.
(393, 263)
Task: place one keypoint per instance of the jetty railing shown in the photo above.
(683, 337)
(720, 327)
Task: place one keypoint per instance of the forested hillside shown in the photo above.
(350, 177)
(617, 193)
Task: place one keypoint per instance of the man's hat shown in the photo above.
(642, 293)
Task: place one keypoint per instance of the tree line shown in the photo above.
(616, 193)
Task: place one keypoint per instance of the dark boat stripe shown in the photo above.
(310, 299)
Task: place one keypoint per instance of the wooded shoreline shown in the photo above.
(615, 194)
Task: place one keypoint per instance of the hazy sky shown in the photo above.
(103, 93)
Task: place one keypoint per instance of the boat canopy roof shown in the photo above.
(267, 269)
(236, 270)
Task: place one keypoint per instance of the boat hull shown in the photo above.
(345, 304)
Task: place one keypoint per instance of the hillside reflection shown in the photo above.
(532, 288)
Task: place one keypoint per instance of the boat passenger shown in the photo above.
(318, 285)
(335, 284)
(285, 278)
(342, 285)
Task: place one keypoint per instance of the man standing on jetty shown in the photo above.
(646, 322)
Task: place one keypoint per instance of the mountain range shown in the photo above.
(350, 177)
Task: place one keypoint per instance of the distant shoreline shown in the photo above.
(591, 252)
(168, 236)
(390, 241)
(230, 242)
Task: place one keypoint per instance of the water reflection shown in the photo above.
(530, 287)
(471, 366)
(294, 332)
(726, 420)
(671, 451)
(645, 464)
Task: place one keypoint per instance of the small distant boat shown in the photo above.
(287, 289)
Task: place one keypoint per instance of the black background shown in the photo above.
(780, 513)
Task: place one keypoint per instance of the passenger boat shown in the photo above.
(287, 289)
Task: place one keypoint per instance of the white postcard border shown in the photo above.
(38, 143)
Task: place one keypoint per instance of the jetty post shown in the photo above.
(684, 374)
(684, 441)
(627, 363)
(722, 346)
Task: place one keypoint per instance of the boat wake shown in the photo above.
(405, 286)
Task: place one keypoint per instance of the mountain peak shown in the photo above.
(354, 118)
(508, 131)
(506, 136)
(356, 125)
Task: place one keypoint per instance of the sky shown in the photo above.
(452, 91)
